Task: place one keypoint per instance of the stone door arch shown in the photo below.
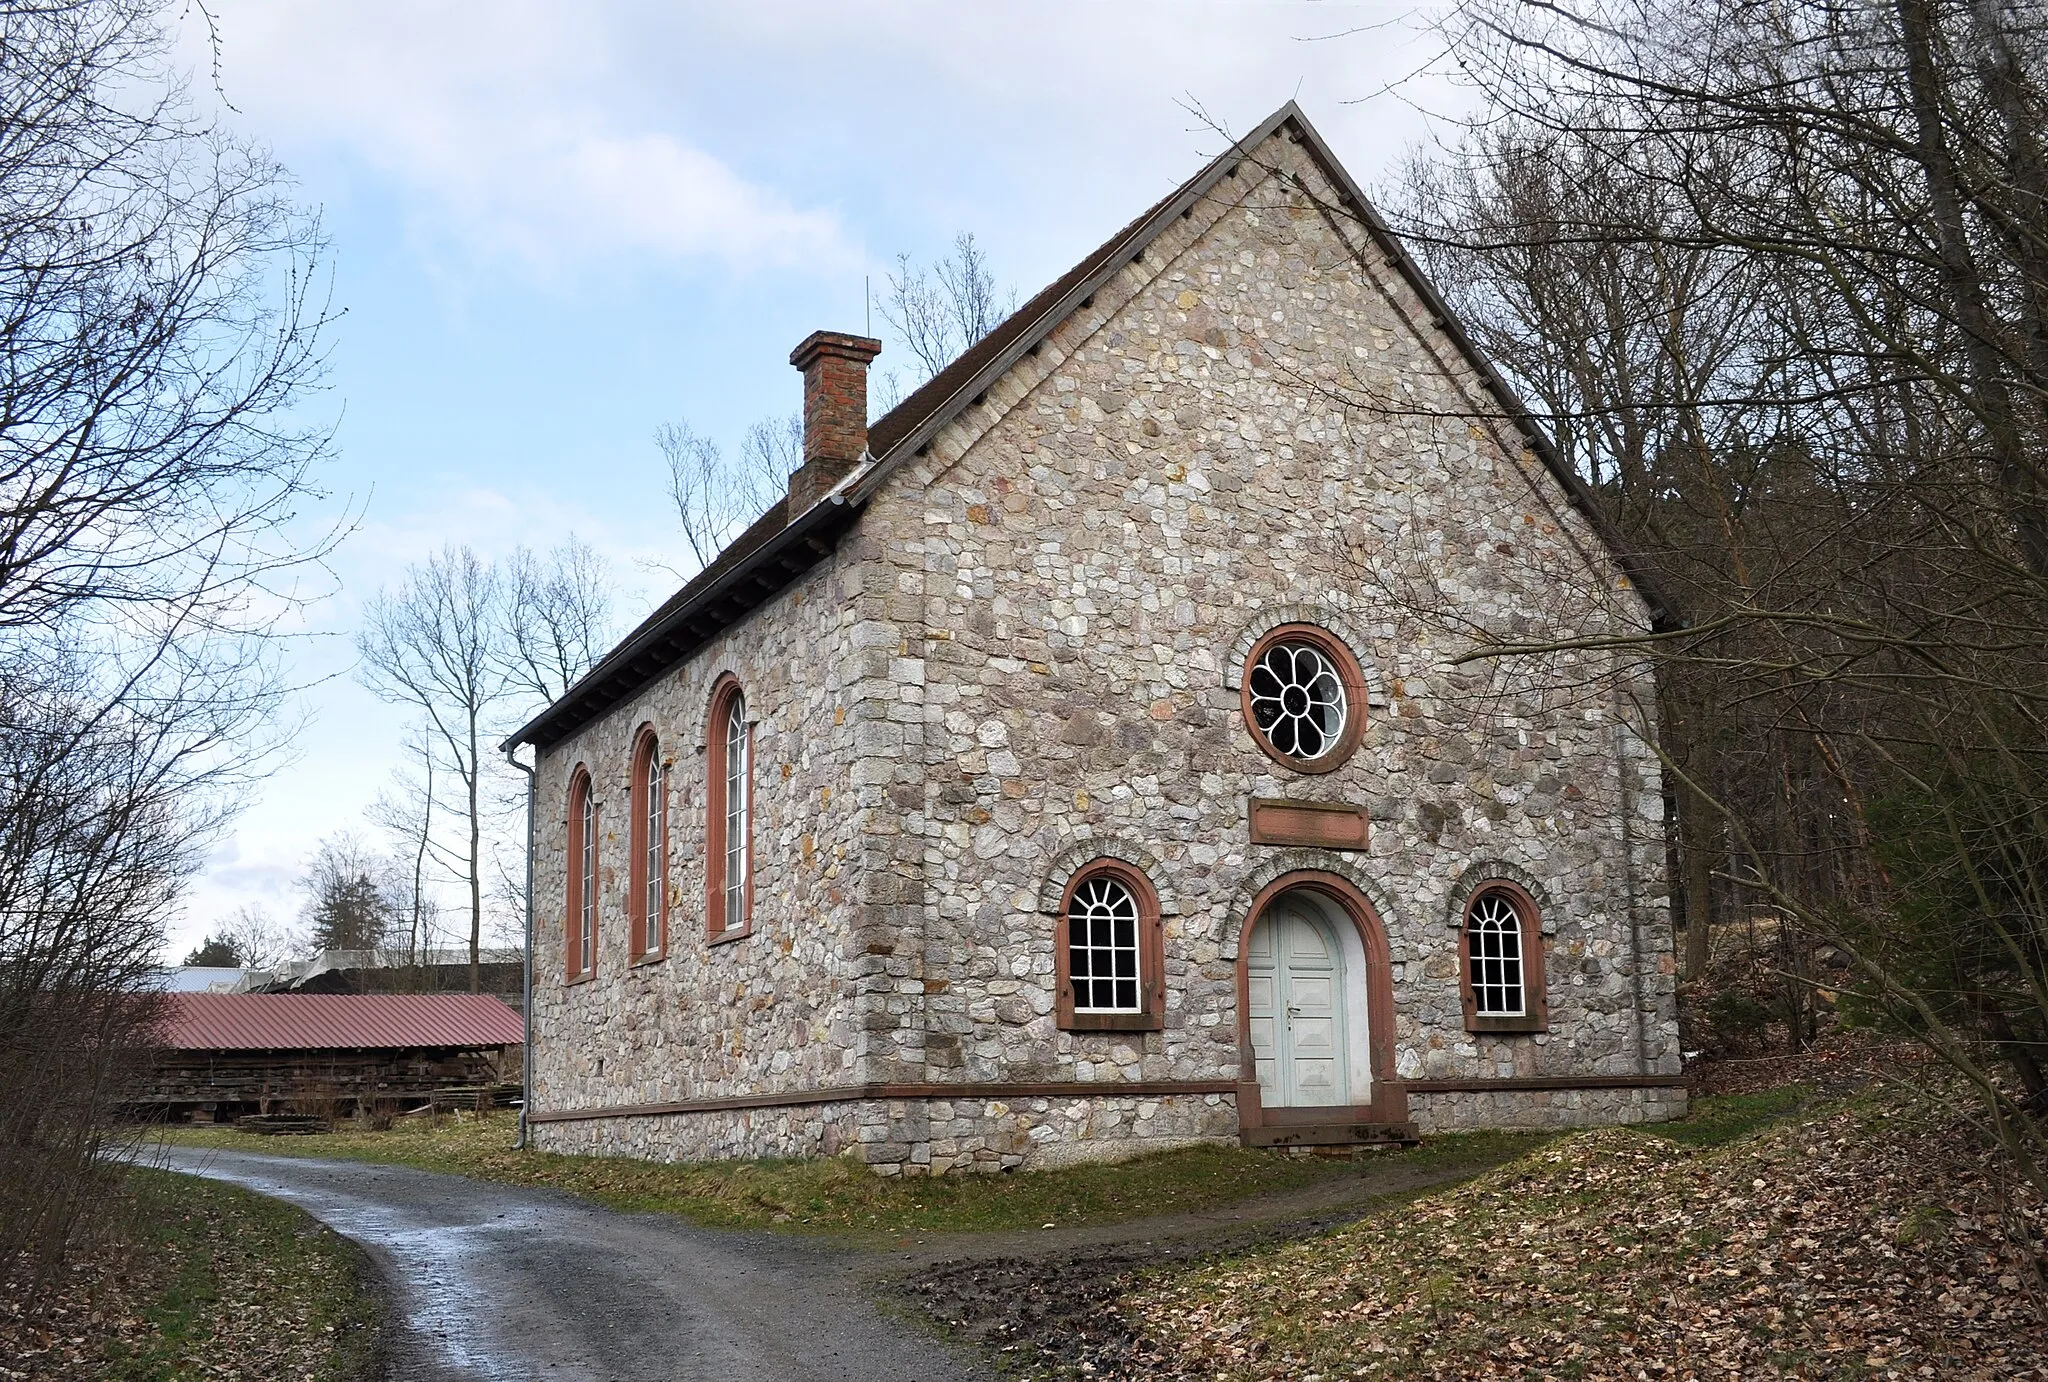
(1374, 1106)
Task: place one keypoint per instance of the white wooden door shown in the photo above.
(1295, 974)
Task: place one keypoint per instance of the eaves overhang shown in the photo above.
(674, 635)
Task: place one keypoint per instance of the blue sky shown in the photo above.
(555, 227)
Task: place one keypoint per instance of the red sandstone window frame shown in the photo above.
(1150, 1015)
(718, 924)
(1349, 672)
(1535, 1014)
(649, 916)
(579, 959)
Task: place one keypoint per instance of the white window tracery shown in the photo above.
(1102, 947)
(1298, 700)
(1494, 948)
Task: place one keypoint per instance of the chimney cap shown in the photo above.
(840, 343)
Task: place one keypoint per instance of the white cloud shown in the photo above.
(496, 128)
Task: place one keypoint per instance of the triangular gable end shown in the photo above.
(910, 428)
(773, 552)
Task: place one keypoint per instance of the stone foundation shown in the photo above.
(1544, 1108)
(915, 1137)
(805, 1130)
(919, 1137)
(936, 1137)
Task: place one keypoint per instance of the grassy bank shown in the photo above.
(1865, 1238)
(189, 1278)
(839, 1195)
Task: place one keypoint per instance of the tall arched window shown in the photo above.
(649, 847)
(580, 949)
(729, 866)
(1502, 965)
(1109, 956)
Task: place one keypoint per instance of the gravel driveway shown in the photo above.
(493, 1281)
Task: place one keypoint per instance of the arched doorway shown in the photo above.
(1315, 1017)
(1299, 992)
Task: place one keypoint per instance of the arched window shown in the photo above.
(580, 950)
(729, 867)
(1109, 954)
(1304, 698)
(1503, 962)
(649, 847)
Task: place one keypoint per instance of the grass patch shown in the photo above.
(244, 1260)
(1718, 1119)
(840, 1195)
(197, 1279)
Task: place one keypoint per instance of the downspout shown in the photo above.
(526, 978)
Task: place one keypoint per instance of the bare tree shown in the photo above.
(435, 643)
(772, 450)
(249, 939)
(160, 296)
(716, 498)
(558, 616)
(1629, 350)
(1777, 278)
(350, 895)
(471, 645)
(938, 311)
(405, 812)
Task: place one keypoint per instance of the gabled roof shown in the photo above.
(335, 1021)
(748, 573)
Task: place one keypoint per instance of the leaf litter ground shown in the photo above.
(1864, 1236)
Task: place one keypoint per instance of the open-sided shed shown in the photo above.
(227, 1053)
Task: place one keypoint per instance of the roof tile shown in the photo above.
(326, 1021)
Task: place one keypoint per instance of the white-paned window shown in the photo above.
(1102, 947)
(738, 810)
(654, 853)
(1493, 940)
(586, 892)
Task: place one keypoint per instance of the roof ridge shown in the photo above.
(674, 632)
(930, 405)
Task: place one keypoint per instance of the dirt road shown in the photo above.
(492, 1281)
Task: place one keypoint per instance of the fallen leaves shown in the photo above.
(1877, 1236)
(192, 1279)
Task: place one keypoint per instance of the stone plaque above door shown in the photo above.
(1318, 824)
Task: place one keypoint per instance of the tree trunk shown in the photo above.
(476, 882)
(1696, 824)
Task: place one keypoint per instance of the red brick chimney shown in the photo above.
(835, 367)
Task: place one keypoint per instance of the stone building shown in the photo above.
(1078, 760)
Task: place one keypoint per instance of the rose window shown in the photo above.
(1298, 700)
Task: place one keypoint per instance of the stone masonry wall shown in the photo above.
(773, 1010)
(1551, 1108)
(1248, 425)
(1027, 653)
(919, 1137)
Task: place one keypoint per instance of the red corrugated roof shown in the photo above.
(326, 1021)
